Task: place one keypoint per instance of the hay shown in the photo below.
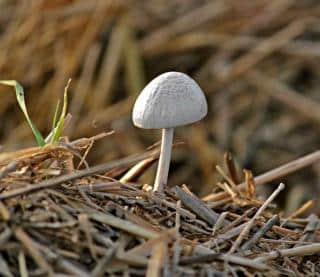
(57, 219)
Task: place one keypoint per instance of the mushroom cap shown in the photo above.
(172, 99)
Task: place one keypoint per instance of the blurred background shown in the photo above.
(257, 61)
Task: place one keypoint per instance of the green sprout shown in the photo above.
(57, 124)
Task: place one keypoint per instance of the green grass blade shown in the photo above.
(54, 123)
(21, 101)
(55, 117)
(58, 129)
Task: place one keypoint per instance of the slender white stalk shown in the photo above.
(164, 161)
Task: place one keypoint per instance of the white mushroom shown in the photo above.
(172, 99)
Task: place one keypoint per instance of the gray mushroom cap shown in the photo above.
(172, 99)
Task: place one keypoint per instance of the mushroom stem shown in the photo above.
(164, 161)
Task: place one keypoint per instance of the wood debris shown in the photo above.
(78, 223)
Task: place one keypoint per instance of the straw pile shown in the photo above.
(57, 219)
(255, 60)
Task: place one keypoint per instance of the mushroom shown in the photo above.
(170, 100)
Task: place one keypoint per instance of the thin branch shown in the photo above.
(249, 225)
